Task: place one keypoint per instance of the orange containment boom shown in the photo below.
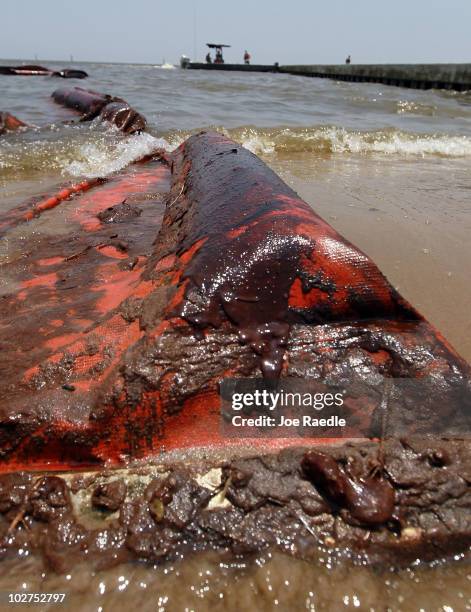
(153, 299)
(33, 70)
(10, 123)
(107, 108)
(30, 210)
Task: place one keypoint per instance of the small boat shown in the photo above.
(218, 47)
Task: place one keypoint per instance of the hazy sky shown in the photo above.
(289, 31)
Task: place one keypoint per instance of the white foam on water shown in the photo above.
(101, 159)
(74, 151)
(259, 146)
(399, 143)
(266, 141)
(80, 152)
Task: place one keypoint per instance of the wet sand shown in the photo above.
(264, 583)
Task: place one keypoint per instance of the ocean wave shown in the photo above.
(101, 159)
(73, 152)
(93, 151)
(337, 140)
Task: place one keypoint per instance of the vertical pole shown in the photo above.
(194, 30)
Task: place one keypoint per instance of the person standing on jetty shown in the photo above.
(349, 59)
(247, 57)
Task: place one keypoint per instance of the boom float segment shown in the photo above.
(107, 108)
(260, 257)
(33, 70)
(10, 123)
(29, 210)
(244, 279)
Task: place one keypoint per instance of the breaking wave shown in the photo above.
(73, 152)
(337, 140)
(94, 159)
(95, 151)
